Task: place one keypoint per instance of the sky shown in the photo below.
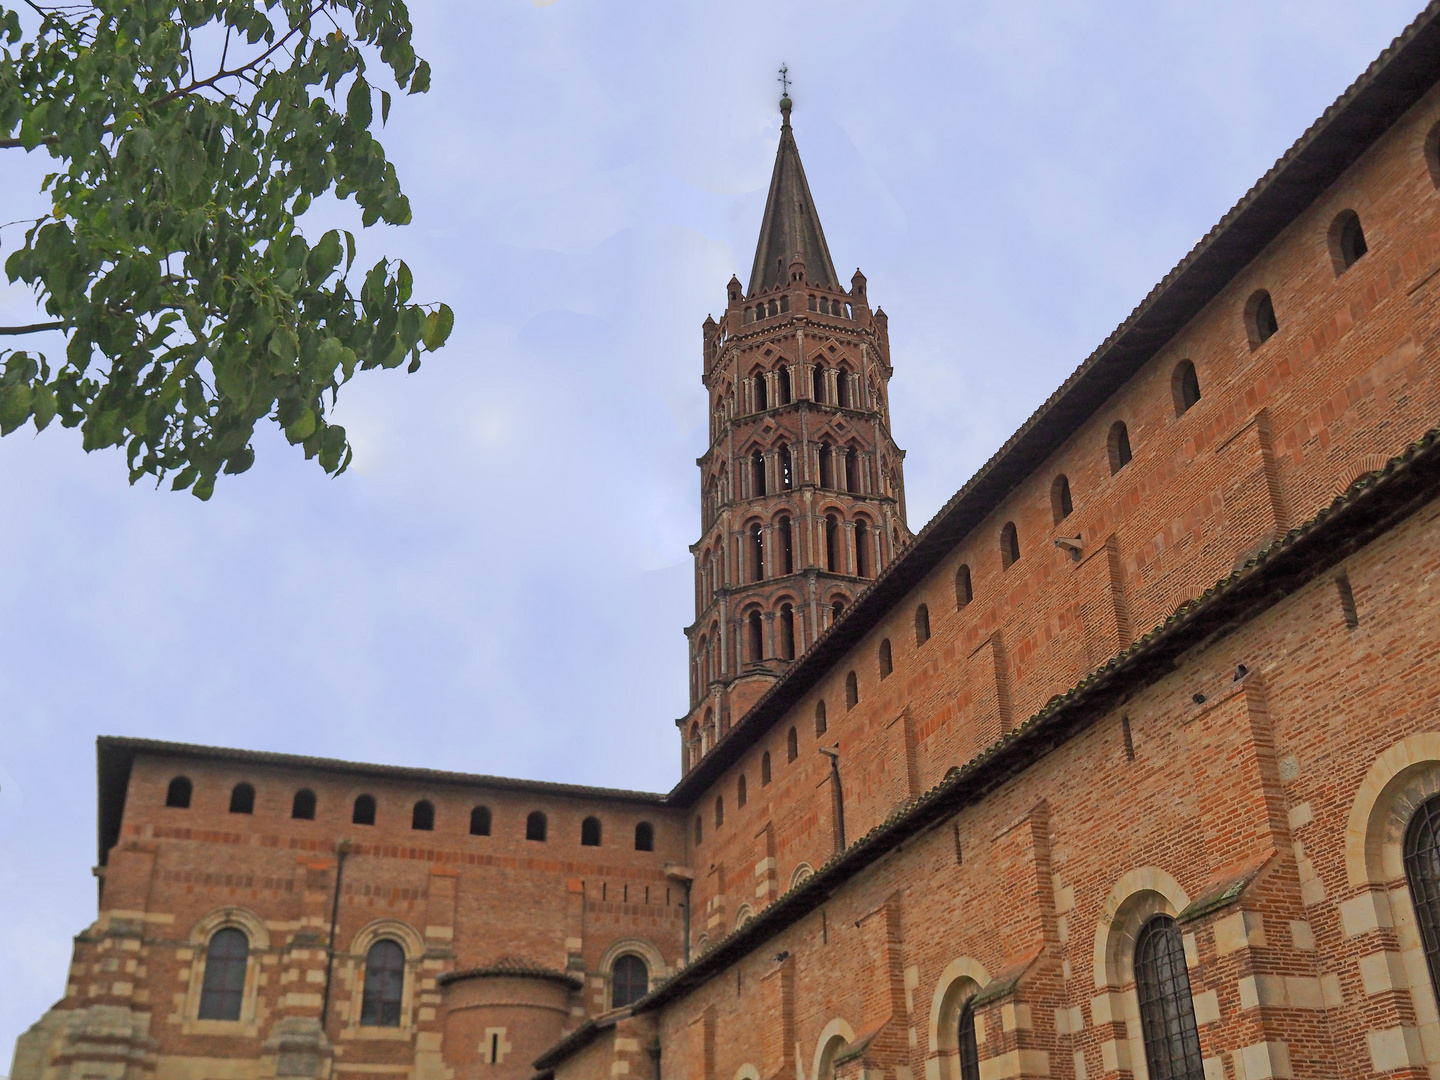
(500, 582)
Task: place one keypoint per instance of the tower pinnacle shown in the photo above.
(791, 225)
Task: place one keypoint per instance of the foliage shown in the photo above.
(189, 136)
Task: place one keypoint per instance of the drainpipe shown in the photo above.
(837, 795)
(342, 849)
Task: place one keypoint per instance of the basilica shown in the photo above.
(1124, 766)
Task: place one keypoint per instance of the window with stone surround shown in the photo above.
(384, 984)
(223, 991)
(1167, 1012)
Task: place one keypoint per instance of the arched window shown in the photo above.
(765, 768)
(782, 379)
(223, 991)
(423, 816)
(759, 383)
(837, 608)
(364, 811)
(644, 836)
(787, 546)
(757, 472)
(842, 388)
(852, 470)
(757, 552)
(963, 593)
(302, 807)
(1060, 504)
(792, 745)
(787, 632)
(821, 726)
(1347, 240)
(1009, 545)
(480, 821)
(719, 810)
(1167, 1013)
(740, 796)
(862, 549)
(852, 691)
(969, 1045)
(177, 795)
(384, 984)
(1432, 154)
(827, 465)
(787, 469)
(757, 637)
(629, 980)
(922, 625)
(535, 826)
(1422, 872)
(1260, 322)
(886, 664)
(590, 832)
(242, 799)
(1184, 387)
(817, 379)
(832, 544)
(1117, 445)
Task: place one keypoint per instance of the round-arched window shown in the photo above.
(1167, 1012)
(629, 980)
(223, 991)
(1422, 872)
(384, 984)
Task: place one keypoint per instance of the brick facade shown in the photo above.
(1164, 670)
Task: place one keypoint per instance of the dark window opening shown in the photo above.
(699, 829)
(787, 632)
(384, 985)
(837, 608)
(1128, 738)
(827, 466)
(886, 663)
(590, 832)
(535, 826)
(1347, 240)
(757, 472)
(364, 811)
(1167, 1013)
(1260, 322)
(629, 981)
(177, 795)
(423, 816)
(223, 990)
(782, 378)
(1060, 502)
(765, 768)
(242, 799)
(852, 691)
(719, 810)
(302, 807)
(1117, 445)
(862, 549)
(969, 1044)
(480, 821)
(832, 544)
(792, 745)
(1422, 874)
(1009, 545)
(787, 471)
(758, 382)
(757, 553)
(922, 625)
(852, 471)
(820, 725)
(1347, 601)
(740, 796)
(787, 546)
(963, 593)
(757, 638)
(644, 836)
(842, 388)
(1184, 387)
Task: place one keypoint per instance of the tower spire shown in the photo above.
(790, 227)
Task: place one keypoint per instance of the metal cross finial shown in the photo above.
(784, 79)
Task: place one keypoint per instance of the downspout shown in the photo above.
(342, 849)
(837, 794)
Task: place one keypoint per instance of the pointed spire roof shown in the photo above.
(791, 227)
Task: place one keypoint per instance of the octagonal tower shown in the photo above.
(802, 490)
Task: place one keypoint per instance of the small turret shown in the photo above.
(797, 270)
(857, 285)
(735, 291)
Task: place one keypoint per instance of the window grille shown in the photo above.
(1167, 1013)
(1422, 871)
(223, 990)
(384, 983)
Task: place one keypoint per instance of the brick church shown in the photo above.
(1125, 766)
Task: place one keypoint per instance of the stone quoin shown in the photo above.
(1125, 766)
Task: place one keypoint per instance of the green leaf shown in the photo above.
(43, 406)
(14, 407)
(406, 282)
(420, 81)
(438, 326)
(384, 106)
(301, 429)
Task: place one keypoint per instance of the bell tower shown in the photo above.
(802, 492)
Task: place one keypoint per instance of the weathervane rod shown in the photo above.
(784, 79)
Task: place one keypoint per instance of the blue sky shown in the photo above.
(500, 582)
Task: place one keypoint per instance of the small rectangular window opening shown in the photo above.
(494, 1047)
(959, 851)
(1128, 737)
(1347, 601)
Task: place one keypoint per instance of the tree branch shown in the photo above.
(15, 144)
(33, 328)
